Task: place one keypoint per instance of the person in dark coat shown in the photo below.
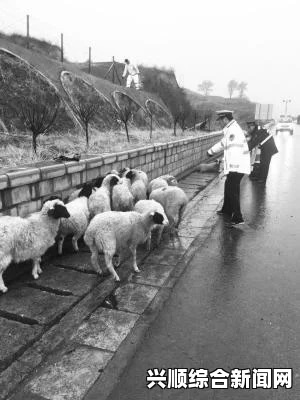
(268, 149)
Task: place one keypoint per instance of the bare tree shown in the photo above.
(38, 111)
(86, 107)
(35, 103)
(184, 113)
(150, 107)
(232, 87)
(242, 87)
(125, 109)
(206, 87)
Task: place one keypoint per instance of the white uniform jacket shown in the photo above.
(235, 147)
(131, 69)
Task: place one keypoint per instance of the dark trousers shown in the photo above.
(265, 160)
(231, 204)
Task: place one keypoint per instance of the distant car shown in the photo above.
(285, 124)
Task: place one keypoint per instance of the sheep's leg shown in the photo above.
(36, 267)
(61, 239)
(149, 242)
(110, 267)
(180, 215)
(117, 260)
(160, 231)
(133, 252)
(39, 269)
(4, 263)
(95, 260)
(74, 242)
(172, 226)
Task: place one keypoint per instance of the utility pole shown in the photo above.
(286, 103)
(27, 31)
(62, 47)
(90, 52)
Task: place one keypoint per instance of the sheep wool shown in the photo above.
(100, 201)
(161, 182)
(113, 231)
(144, 206)
(139, 185)
(174, 201)
(79, 219)
(122, 198)
(24, 239)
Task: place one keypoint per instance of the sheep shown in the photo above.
(113, 231)
(28, 238)
(122, 198)
(143, 206)
(79, 219)
(162, 181)
(139, 184)
(174, 201)
(95, 184)
(100, 201)
(210, 167)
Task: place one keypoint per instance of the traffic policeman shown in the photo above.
(236, 164)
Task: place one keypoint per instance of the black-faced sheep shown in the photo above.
(101, 200)
(144, 206)
(174, 201)
(24, 239)
(79, 219)
(113, 231)
(122, 198)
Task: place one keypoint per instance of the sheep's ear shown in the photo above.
(58, 211)
(53, 198)
(158, 218)
(114, 180)
(130, 174)
(86, 191)
(98, 181)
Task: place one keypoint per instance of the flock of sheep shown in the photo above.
(113, 213)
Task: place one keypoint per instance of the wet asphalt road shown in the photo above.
(238, 303)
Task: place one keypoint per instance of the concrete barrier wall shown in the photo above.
(23, 189)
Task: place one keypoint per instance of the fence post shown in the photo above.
(90, 52)
(27, 31)
(62, 47)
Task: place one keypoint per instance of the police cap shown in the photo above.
(223, 113)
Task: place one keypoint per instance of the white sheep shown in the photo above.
(114, 231)
(101, 200)
(144, 206)
(24, 239)
(79, 219)
(162, 181)
(139, 184)
(122, 198)
(174, 201)
(210, 167)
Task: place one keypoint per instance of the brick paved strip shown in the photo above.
(66, 281)
(35, 304)
(71, 376)
(15, 337)
(105, 329)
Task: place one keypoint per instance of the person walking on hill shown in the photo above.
(236, 164)
(133, 74)
(266, 143)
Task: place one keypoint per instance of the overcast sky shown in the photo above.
(256, 41)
